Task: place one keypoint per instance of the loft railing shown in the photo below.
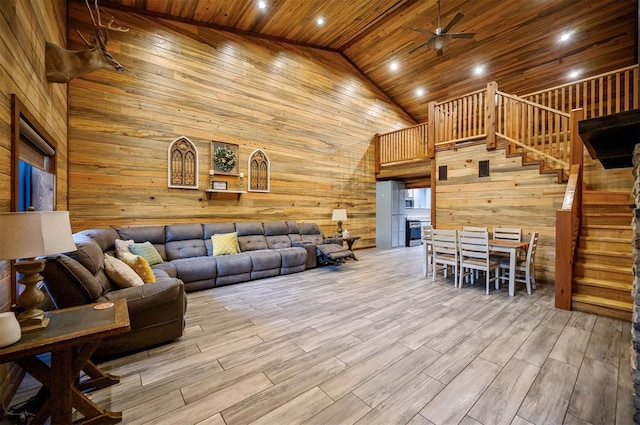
(405, 145)
(568, 220)
(460, 119)
(541, 131)
(538, 123)
(603, 94)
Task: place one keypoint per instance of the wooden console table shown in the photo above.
(72, 336)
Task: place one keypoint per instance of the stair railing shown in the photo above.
(603, 94)
(568, 219)
(542, 131)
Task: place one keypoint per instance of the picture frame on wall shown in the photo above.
(224, 158)
(215, 185)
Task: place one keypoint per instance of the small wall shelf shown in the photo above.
(237, 192)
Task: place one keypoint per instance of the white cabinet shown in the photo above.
(390, 214)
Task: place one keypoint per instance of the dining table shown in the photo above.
(511, 247)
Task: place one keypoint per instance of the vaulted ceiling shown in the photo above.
(516, 41)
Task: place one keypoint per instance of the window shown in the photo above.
(33, 168)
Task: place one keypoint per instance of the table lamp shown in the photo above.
(26, 235)
(339, 215)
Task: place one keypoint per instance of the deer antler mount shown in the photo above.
(62, 65)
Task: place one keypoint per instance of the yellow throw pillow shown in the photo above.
(225, 243)
(146, 250)
(120, 273)
(140, 266)
(122, 247)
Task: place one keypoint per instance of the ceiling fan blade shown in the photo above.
(424, 31)
(418, 47)
(461, 34)
(451, 23)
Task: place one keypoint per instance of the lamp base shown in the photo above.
(32, 318)
(339, 230)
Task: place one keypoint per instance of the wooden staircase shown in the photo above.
(603, 273)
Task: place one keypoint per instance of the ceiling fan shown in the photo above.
(441, 36)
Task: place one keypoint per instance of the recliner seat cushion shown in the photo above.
(265, 260)
(233, 264)
(195, 268)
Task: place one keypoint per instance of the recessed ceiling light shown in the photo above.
(419, 91)
(478, 70)
(394, 66)
(575, 74)
(565, 36)
(262, 4)
(320, 20)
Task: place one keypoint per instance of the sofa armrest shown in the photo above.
(151, 295)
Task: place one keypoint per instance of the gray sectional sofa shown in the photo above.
(157, 310)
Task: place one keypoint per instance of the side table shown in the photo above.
(350, 240)
(72, 336)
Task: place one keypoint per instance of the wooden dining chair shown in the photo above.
(474, 256)
(445, 252)
(525, 271)
(427, 245)
(509, 233)
(474, 229)
(505, 233)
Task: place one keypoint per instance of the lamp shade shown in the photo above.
(35, 233)
(339, 215)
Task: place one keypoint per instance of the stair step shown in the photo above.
(595, 197)
(622, 259)
(610, 231)
(609, 308)
(603, 271)
(607, 218)
(605, 243)
(609, 289)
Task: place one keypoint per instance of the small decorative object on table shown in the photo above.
(9, 329)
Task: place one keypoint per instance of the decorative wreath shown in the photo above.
(224, 159)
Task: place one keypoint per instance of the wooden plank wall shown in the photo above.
(308, 109)
(512, 196)
(25, 25)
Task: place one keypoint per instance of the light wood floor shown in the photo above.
(375, 342)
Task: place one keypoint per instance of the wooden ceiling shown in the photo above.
(516, 40)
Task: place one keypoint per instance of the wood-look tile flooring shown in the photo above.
(375, 342)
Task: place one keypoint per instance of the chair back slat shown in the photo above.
(508, 233)
(426, 232)
(474, 229)
(474, 245)
(444, 241)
